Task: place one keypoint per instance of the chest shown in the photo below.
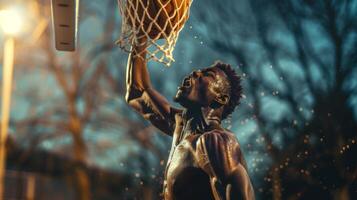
(184, 179)
(182, 155)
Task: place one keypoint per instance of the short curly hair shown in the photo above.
(236, 89)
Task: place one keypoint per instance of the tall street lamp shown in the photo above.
(10, 23)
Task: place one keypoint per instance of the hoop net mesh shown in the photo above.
(159, 28)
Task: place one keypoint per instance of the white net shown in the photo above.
(153, 24)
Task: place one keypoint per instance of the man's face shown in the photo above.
(202, 87)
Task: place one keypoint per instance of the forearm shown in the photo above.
(140, 93)
(143, 98)
(137, 74)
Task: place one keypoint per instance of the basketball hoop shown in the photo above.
(158, 22)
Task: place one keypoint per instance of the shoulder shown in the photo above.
(218, 139)
(218, 151)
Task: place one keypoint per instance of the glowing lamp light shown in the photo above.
(11, 22)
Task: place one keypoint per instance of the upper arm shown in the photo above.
(221, 157)
(153, 107)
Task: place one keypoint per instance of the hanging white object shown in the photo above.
(65, 23)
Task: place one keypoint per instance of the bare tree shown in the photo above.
(87, 83)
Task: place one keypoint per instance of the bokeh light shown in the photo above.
(11, 21)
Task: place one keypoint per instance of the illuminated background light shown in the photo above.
(10, 21)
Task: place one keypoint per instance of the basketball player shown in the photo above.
(205, 161)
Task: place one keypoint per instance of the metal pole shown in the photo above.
(5, 106)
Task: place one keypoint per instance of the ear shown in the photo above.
(222, 99)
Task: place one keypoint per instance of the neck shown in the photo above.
(200, 120)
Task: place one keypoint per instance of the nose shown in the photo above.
(196, 74)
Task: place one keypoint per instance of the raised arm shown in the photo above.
(143, 98)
